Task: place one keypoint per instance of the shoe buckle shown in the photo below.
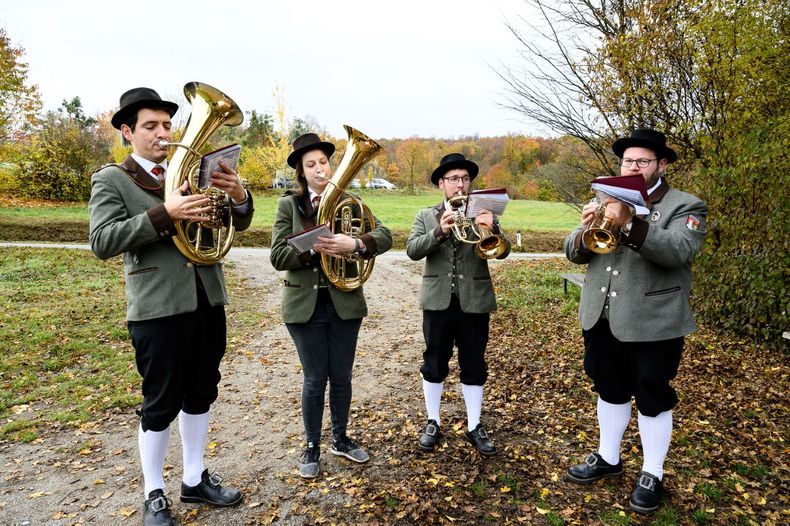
(158, 504)
(591, 460)
(431, 430)
(483, 433)
(214, 479)
(649, 483)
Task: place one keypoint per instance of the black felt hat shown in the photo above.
(454, 160)
(646, 138)
(138, 98)
(305, 143)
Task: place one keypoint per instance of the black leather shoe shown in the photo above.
(210, 491)
(430, 436)
(593, 468)
(156, 510)
(646, 496)
(479, 438)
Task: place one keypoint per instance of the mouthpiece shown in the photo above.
(163, 144)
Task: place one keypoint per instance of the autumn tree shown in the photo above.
(412, 158)
(63, 154)
(19, 100)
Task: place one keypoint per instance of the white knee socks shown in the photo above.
(153, 449)
(473, 397)
(193, 429)
(612, 422)
(433, 399)
(656, 433)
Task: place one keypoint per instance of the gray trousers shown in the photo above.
(326, 345)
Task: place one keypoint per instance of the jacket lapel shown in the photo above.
(142, 178)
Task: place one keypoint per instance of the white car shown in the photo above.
(380, 183)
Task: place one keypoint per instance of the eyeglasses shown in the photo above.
(454, 179)
(641, 163)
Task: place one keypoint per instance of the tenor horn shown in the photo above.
(347, 214)
(202, 242)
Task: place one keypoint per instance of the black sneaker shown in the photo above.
(479, 438)
(309, 467)
(430, 436)
(647, 493)
(345, 447)
(593, 468)
(210, 491)
(156, 510)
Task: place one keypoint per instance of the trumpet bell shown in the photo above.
(490, 246)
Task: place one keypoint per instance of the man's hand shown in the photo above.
(588, 212)
(187, 207)
(620, 212)
(229, 182)
(485, 217)
(446, 222)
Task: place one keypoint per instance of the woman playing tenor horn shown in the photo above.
(323, 320)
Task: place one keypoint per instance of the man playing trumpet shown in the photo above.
(457, 298)
(635, 314)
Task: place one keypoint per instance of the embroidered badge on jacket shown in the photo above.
(692, 223)
(655, 216)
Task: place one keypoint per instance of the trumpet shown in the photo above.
(489, 245)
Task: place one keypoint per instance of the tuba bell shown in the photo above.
(202, 242)
(346, 214)
(489, 245)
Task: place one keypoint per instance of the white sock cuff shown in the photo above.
(433, 398)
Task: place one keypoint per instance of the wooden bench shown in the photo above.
(576, 279)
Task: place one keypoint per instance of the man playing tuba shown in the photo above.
(457, 298)
(176, 313)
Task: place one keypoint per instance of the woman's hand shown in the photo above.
(336, 246)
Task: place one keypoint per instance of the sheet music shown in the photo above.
(210, 162)
(306, 239)
(630, 197)
(494, 200)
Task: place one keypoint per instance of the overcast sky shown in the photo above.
(391, 69)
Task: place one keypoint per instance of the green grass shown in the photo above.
(66, 351)
(395, 209)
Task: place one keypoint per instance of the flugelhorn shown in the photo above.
(202, 242)
(489, 245)
(347, 214)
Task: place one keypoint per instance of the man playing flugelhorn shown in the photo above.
(635, 313)
(457, 298)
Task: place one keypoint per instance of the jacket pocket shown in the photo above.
(289, 284)
(662, 291)
(482, 278)
(144, 270)
(430, 276)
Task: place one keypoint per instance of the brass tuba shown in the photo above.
(202, 242)
(345, 214)
(489, 245)
(602, 233)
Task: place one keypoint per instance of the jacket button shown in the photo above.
(460, 276)
(449, 274)
(315, 287)
(603, 289)
(615, 273)
(315, 269)
(188, 265)
(608, 269)
(613, 293)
